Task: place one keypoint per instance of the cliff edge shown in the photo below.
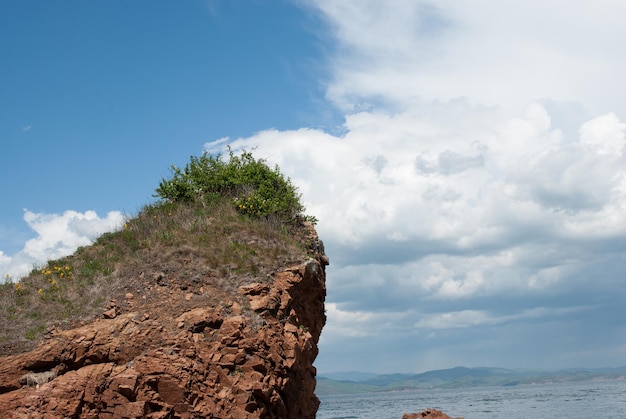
(165, 353)
(207, 304)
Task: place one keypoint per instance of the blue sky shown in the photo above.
(99, 98)
(466, 160)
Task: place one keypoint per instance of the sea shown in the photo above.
(573, 400)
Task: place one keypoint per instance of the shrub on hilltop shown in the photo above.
(252, 186)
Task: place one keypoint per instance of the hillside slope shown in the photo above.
(193, 309)
(184, 348)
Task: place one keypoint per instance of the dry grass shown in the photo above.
(186, 247)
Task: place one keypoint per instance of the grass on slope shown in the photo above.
(190, 241)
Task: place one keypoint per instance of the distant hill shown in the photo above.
(357, 382)
(350, 376)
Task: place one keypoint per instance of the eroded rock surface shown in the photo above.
(249, 357)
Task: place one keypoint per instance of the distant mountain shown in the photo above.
(350, 376)
(356, 382)
(328, 386)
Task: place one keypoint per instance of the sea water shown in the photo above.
(577, 400)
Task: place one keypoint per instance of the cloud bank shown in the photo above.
(473, 202)
(57, 235)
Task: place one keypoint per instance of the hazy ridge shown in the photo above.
(457, 377)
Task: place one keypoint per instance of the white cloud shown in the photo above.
(471, 318)
(417, 209)
(360, 324)
(58, 235)
(504, 53)
(465, 318)
(4, 259)
(396, 178)
(604, 135)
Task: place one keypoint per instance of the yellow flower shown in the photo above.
(40, 291)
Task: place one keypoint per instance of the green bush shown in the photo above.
(250, 184)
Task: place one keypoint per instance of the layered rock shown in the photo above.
(249, 357)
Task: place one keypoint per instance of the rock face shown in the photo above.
(427, 414)
(250, 357)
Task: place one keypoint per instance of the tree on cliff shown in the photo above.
(250, 184)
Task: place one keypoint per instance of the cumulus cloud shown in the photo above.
(500, 53)
(480, 172)
(57, 235)
(456, 191)
(429, 211)
(469, 318)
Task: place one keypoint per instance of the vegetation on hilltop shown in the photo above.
(254, 188)
(216, 225)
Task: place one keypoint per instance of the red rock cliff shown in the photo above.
(251, 356)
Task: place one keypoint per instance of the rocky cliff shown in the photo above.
(164, 352)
